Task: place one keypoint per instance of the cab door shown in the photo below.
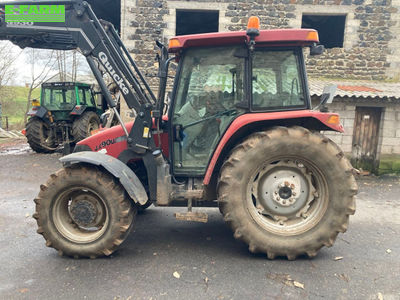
(208, 94)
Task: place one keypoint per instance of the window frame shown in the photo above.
(303, 81)
(170, 129)
(205, 11)
(321, 32)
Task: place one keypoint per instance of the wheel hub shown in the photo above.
(83, 212)
(284, 195)
(282, 190)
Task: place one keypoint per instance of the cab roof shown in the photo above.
(272, 37)
(64, 83)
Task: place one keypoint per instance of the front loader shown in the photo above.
(239, 133)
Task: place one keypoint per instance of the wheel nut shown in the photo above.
(294, 193)
(287, 183)
(292, 186)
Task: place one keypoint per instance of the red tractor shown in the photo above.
(239, 133)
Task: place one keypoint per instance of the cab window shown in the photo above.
(276, 80)
(210, 87)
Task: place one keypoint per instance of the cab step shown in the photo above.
(192, 216)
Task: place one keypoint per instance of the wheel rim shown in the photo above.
(47, 136)
(80, 215)
(93, 125)
(287, 196)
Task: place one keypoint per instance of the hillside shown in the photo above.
(13, 100)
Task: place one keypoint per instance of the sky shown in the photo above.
(23, 74)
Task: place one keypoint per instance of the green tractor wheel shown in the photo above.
(84, 125)
(40, 136)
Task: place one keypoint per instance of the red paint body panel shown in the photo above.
(114, 148)
(282, 37)
(106, 139)
(246, 119)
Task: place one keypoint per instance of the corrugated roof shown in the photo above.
(359, 89)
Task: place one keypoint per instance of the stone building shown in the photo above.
(362, 39)
(362, 36)
(370, 114)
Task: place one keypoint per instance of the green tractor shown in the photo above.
(67, 113)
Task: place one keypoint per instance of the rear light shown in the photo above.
(334, 120)
(23, 131)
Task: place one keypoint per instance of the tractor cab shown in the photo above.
(221, 78)
(61, 98)
(66, 113)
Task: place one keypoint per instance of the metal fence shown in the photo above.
(3, 120)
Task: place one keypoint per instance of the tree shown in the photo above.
(8, 55)
(70, 62)
(42, 62)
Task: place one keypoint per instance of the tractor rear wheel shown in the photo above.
(287, 192)
(84, 125)
(40, 136)
(83, 212)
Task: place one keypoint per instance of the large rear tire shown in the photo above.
(287, 192)
(84, 125)
(39, 136)
(83, 212)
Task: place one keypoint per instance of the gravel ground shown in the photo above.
(211, 264)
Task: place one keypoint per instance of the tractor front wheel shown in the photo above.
(40, 136)
(287, 192)
(84, 125)
(83, 212)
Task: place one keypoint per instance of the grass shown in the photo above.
(13, 100)
(389, 163)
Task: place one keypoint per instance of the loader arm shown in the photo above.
(98, 41)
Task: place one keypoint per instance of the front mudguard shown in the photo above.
(117, 168)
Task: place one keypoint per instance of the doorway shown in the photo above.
(365, 138)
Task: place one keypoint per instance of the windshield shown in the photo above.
(58, 99)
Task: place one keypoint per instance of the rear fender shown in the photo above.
(78, 110)
(37, 111)
(310, 119)
(118, 169)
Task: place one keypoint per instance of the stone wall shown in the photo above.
(389, 131)
(371, 41)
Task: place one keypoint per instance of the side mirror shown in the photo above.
(316, 50)
(327, 97)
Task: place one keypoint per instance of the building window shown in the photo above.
(196, 21)
(330, 28)
(109, 10)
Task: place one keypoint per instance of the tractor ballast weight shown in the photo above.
(239, 133)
